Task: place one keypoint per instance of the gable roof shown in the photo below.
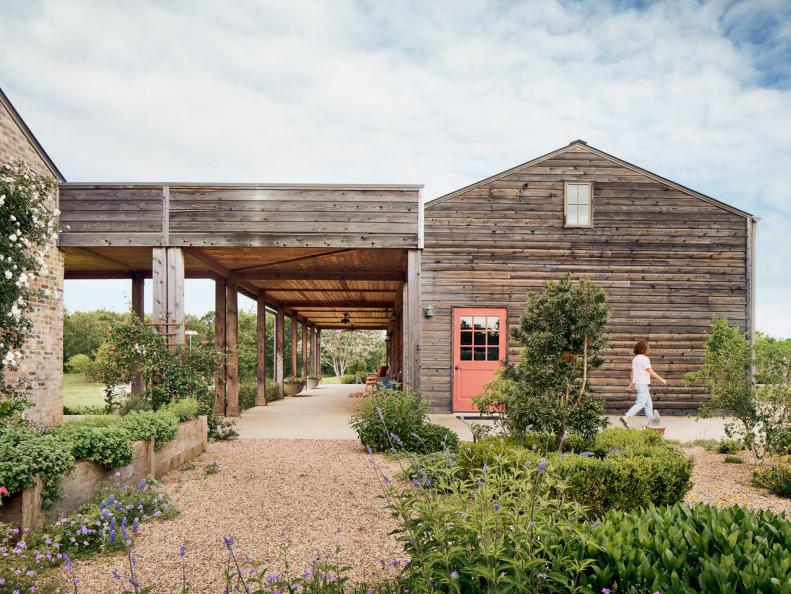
(6, 102)
(581, 143)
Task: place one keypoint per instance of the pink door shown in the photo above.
(479, 345)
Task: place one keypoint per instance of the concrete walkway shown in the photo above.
(323, 413)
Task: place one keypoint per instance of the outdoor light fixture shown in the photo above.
(428, 311)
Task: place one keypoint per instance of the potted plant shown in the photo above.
(313, 381)
(292, 385)
(655, 424)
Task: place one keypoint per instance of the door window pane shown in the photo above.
(480, 323)
(480, 338)
(494, 338)
(493, 354)
(466, 338)
(480, 353)
(493, 323)
(466, 354)
(466, 323)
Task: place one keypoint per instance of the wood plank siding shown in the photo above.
(668, 259)
(278, 216)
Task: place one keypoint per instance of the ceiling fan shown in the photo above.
(345, 319)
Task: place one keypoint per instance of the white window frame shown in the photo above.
(566, 205)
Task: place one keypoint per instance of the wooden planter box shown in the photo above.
(23, 510)
(656, 429)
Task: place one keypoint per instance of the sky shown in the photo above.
(438, 93)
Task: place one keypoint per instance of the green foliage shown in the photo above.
(762, 411)
(143, 425)
(562, 336)
(775, 475)
(221, 429)
(348, 379)
(500, 529)
(248, 391)
(729, 446)
(99, 527)
(26, 568)
(78, 364)
(27, 227)
(103, 442)
(25, 452)
(85, 331)
(624, 468)
(733, 460)
(185, 409)
(352, 353)
(681, 549)
(397, 419)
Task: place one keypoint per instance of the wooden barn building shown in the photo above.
(669, 259)
(445, 279)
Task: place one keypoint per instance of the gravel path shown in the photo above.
(313, 493)
(725, 484)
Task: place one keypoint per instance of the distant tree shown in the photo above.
(343, 349)
(85, 331)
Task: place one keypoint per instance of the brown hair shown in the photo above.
(641, 347)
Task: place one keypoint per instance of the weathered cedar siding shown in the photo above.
(234, 216)
(667, 260)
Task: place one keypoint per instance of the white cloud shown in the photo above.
(441, 93)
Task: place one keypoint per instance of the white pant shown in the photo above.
(643, 401)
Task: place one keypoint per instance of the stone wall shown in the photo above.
(41, 369)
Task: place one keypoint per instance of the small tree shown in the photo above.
(343, 349)
(562, 336)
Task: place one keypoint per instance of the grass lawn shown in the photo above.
(78, 394)
(329, 379)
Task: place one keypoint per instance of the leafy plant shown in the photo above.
(733, 460)
(729, 446)
(142, 425)
(25, 452)
(562, 335)
(185, 409)
(681, 549)
(107, 444)
(775, 475)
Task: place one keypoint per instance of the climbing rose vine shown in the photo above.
(27, 226)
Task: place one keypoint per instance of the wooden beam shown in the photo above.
(340, 304)
(246, 289)
(304, 349)
(260, 324)
(159, 310)
(232, 343)
(219, 341)
(411, 321)
(320, 275)
(138, 307)
(318, 352)
(280, 340)
(175, 290)
(108, 259)
(290, 260)
(312, 331)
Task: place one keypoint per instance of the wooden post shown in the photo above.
(411, 321)
(175, 297)
(138, 307)
(294, 345)
(260, 324)
(219, 341)
(313, 352)
(304, 349)
(232, 342)
(159, 304)
(280, 340)
(318, 352)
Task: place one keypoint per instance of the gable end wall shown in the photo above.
(668, 262)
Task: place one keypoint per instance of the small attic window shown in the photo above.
(577, 202)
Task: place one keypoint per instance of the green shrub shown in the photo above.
(403, 412)
(105, 443)
(348, 379)
(431, 437)
(142, 425)
(775, 475)
(624, 469)
(272, 390)
(729, 446)
(681, 549)
(733, 460)
(185, 409)
(78, 364)
(221, 429)
(25, 452)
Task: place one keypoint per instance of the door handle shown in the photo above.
(456, 368)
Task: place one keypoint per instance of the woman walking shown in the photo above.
(640, 379)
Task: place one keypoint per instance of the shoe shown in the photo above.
(657, 420)
(624, 422)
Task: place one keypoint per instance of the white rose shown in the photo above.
(8, 274)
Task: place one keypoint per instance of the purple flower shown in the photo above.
(454, 575)
(135, 526)
(496, 507)
(182, 551)
(142, 485)
(228, 542)
(379, 414)
(542, 465)
(586, 454)
(605, 591)
(116, 575)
